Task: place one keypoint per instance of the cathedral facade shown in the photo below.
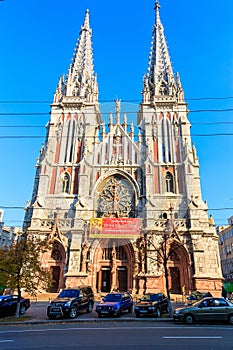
(123, 203)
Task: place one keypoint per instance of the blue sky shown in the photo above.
(37, 44)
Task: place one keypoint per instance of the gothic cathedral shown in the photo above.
(119, 200)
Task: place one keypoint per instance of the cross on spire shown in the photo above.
(157, 6)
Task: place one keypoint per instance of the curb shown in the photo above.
(87, 320)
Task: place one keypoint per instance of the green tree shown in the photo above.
(21, 269)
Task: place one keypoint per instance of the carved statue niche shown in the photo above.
(142, 250)
(113, 256)
(136, 258)
(84, 257)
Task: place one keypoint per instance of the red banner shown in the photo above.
(114, 228)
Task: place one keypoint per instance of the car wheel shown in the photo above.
(230, 319)
(22, 310)
(51, 317)
(189, 319)
(118, 313)
(158, 312)
(73, 312)
(89, 307)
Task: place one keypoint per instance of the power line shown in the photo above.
(43, 126)
(94, 210)
(100, 138)
(33, 114)
(210, 98)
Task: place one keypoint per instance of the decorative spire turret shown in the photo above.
(159, 81)
(81, 81)
(118, 110)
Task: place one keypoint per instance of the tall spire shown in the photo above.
(159, 81)
(81, 82)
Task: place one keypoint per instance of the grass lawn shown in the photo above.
(12, 318)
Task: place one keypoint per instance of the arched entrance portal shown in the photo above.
(178, 268)
(113, 260)
(56, 264)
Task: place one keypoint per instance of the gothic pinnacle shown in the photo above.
(86, 24)
(157, 7)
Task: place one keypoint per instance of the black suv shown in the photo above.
(151, 304)
(70, 301)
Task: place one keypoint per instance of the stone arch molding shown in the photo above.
(124, 183)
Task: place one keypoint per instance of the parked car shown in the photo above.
(195, 296)
(151, 304)
(114, 304)
(207, 309)
(8, 305)
(70, 301)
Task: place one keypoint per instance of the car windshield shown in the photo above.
(151, 297)
(2, 298)
(112, 297)
(199, 302)
(69, 294)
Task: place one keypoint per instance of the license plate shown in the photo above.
(104, 312)
(143, 311)
(56, 309)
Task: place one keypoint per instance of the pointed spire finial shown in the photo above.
(157, 7)
(86, 24)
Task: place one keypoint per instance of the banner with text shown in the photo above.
(114, 228)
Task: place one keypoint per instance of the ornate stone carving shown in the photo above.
(116, 199)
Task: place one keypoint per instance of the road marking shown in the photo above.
(6, 341)
(193, 337)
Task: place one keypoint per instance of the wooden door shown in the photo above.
(122, 279)
(174, 274)
(55, 270)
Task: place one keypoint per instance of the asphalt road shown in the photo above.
(114, 336)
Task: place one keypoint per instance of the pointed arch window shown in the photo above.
(106, 151)
(166, 140)
(66, 183)
(69, 137)
(56, 255)
(98, 158)
(67, 141)
(169, 182)
(128, 151)
(121, 253)
(72, 143)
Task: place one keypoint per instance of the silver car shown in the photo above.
(207, 309)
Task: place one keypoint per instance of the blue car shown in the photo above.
(114, 304)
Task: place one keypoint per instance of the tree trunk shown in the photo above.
(167, 288)
(18, 303)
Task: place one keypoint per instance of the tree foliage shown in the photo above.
(20, 266)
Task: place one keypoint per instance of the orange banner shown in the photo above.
(114, 228)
